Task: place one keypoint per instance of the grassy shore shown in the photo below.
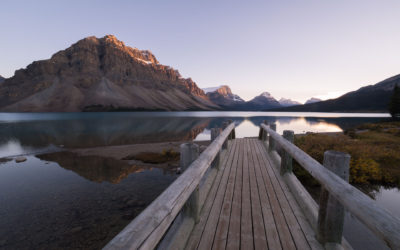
(374, 150)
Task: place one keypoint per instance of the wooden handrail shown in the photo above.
(376, 218)
(148, 228)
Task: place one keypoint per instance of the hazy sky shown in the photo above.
(292, 49)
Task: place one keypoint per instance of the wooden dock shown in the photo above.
(242, 194)
(249, 206)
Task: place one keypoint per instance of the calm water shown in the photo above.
(70, 201)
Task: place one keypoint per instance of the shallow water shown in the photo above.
(63, 201)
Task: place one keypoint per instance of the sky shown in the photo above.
(292, 49)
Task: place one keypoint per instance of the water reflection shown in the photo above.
(25, 133)
(96, 168)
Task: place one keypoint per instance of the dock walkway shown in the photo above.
(249, 206)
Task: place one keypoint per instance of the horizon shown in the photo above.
(353, 44)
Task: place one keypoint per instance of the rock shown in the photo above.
(20, 159)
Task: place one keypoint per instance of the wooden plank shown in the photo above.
(294, 227)
(368, 211)
(234, 223)
(260, 240)
(246, 233)
(268, 217)
(282, 227)
(208, 234)
(196, 234)
(305, 226)
(221, 233)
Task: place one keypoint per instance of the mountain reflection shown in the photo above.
(95, 168)
(92, 130)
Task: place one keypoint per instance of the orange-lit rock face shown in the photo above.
(100, 72)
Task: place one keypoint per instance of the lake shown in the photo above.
(82, 202)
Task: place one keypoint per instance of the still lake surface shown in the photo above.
(81, 203)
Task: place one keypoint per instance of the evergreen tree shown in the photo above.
(394, 104)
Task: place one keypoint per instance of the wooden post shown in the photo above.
(265, 133)
(271, 140)
(286, 159)
(214, 134)
(189, 153)
(224, 126)
(331, 212)
(232, 135)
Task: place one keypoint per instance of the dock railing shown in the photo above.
(337, 194)
(175, 211)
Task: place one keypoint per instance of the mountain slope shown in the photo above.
(100, 74)
(372, 98)
(2, 79)
(223, 97)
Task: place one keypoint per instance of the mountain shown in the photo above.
(287, 102)
(372, 98)
(2, 79)
(223, 97)
(100, 74)
(312, 100)
(261, 102)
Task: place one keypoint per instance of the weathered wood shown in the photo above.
(214, 134)
(307, 204)
(188, 154)
(268, 217)
(271, 139)
(221, 177)
(246, 234)
(376, 218)
(297, 211)
(233, 241)
(259, 235)
(146, 230)
(224, 126)
(287, 161)
(208, 234)
(264, 133)
(221, 233)
(233, 134)
(331, 212)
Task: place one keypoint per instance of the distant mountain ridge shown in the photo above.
(372, 98)
(100, 74)
(312, 100)
(287, 102)
(224, 97)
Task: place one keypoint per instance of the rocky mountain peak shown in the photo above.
(101, 72)
(266, 94)
(288, 102)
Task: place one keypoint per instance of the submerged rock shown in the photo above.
(20, 159)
